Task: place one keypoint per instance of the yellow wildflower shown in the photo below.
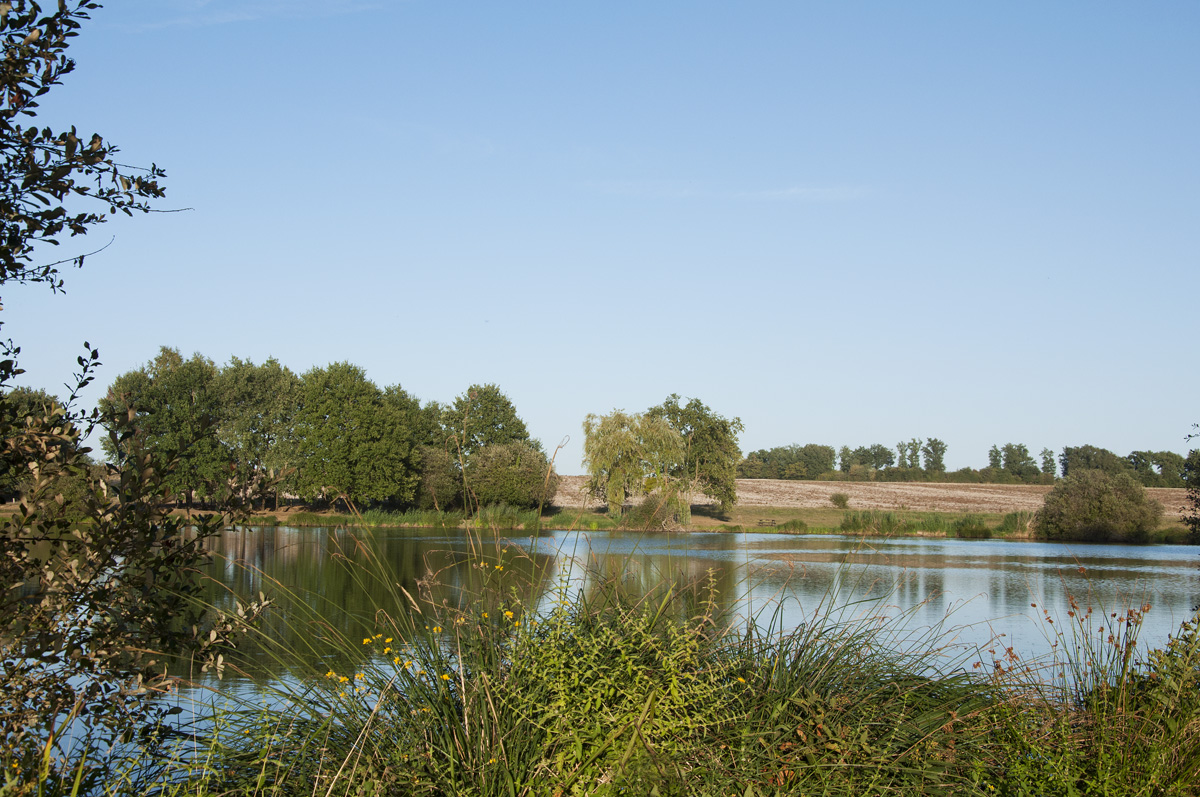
(367, 640)
(343, 679)
(741, 680)
(445, 677)
(437, 629)
(359, 676)
(330, 674)
(387, 651)
(508, 615)
(388, 640)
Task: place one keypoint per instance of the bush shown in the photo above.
(793, 525)
(1095, 506)
(515, 474)
(840, 500)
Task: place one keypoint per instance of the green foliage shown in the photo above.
(99, 578)
(627, 455)
(1086, 457)
(995, 458)
(441, 483)
(1095, 506)
(1191, 517)
(610, 690)
(795, 525)
(710, 449)
(1018, 463)
(484, 416)
(840, 500)
(971, 528)
(788, 462)
(516, 474)
(174, 407)
(20, 405)
(352, 444)
(934, 451)
(105, 579)
(45, 169)
(1020, 523)
(877, 456)
(257, 407)
(1049, 466)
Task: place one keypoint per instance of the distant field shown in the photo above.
(990, 499)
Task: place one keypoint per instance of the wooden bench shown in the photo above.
(766, 522)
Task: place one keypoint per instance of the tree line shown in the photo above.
(327, 436)
(924, 460)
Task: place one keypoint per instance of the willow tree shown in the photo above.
(630, 454)
(710, 449)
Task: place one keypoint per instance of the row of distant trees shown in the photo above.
(924, 460)
(329, 435)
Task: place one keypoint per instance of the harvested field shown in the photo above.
(920, 497)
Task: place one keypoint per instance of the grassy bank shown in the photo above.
(597, 690)
(820, 520)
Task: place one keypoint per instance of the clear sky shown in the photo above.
(845, 223)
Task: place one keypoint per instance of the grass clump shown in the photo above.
(840, 500)
(795, 526)
(971, 527)
(609, 688)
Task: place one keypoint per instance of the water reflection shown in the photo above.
(967, 591)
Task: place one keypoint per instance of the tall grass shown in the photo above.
(531, 684)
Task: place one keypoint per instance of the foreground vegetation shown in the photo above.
(596, 689)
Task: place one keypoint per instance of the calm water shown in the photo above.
(968, 592)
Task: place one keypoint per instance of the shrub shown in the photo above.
(1096, 506)
(795, 524)
(840, 500)
(515, 474)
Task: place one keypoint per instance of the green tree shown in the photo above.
(995, 458)
(258, 406)
(516, 474)
(484, 416)
(352, 444)
(710, 449)
(934, 451)
(175, 410)
(1048, 464)
(441, 482)
(1096, 506)
(629, 454)
(1088, 457)
(1017, 462)
(845, 459)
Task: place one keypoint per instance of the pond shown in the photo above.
(969, 596)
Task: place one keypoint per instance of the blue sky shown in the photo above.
(845, 223)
